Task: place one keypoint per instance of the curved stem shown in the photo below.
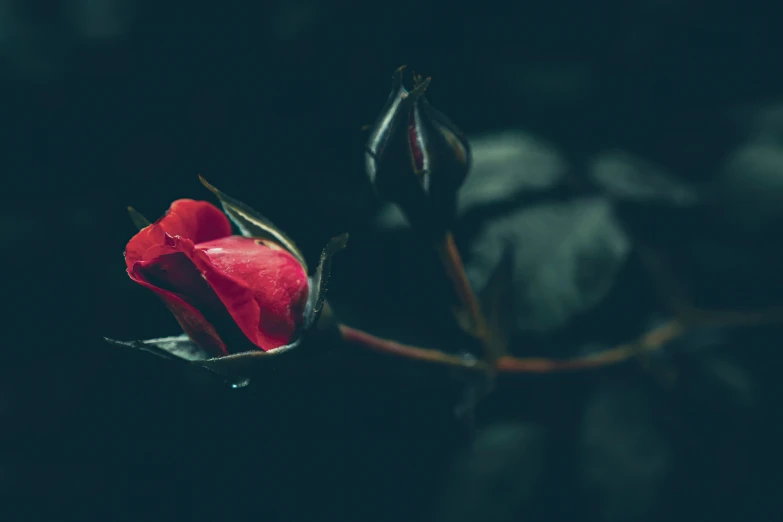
(379, 344)
(650, 341)
(508, 364)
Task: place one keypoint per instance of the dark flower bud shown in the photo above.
(416, 157)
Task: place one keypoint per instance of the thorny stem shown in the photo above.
(455, 270)
(648, 342)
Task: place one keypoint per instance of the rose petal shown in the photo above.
(264, 289)
(172, 271)
(193, 322)
(198, 221)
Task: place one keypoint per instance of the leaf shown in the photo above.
(252, 365)
(252, 224)
(627, 178)
(709, 373)
(565, 258)
(320, 281)
(499, 480)
(505, 166)
(138, 220)
(237, 368)
(497, 304)
(175, 347)
(731, 382)
(750, 183)
(626, 460)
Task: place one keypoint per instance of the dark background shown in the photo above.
(123, 102)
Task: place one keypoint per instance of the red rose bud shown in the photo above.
(229, 293)
(416, 157)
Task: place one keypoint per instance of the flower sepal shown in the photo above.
(237, 370)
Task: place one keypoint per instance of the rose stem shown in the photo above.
(507, 364)
(379, 344)
(455, 270)
(649, 342)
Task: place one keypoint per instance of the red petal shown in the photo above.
(198, 221)
(264, 289)
(415, 145)
(191, 320)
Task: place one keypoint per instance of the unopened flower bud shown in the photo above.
(416, 157)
